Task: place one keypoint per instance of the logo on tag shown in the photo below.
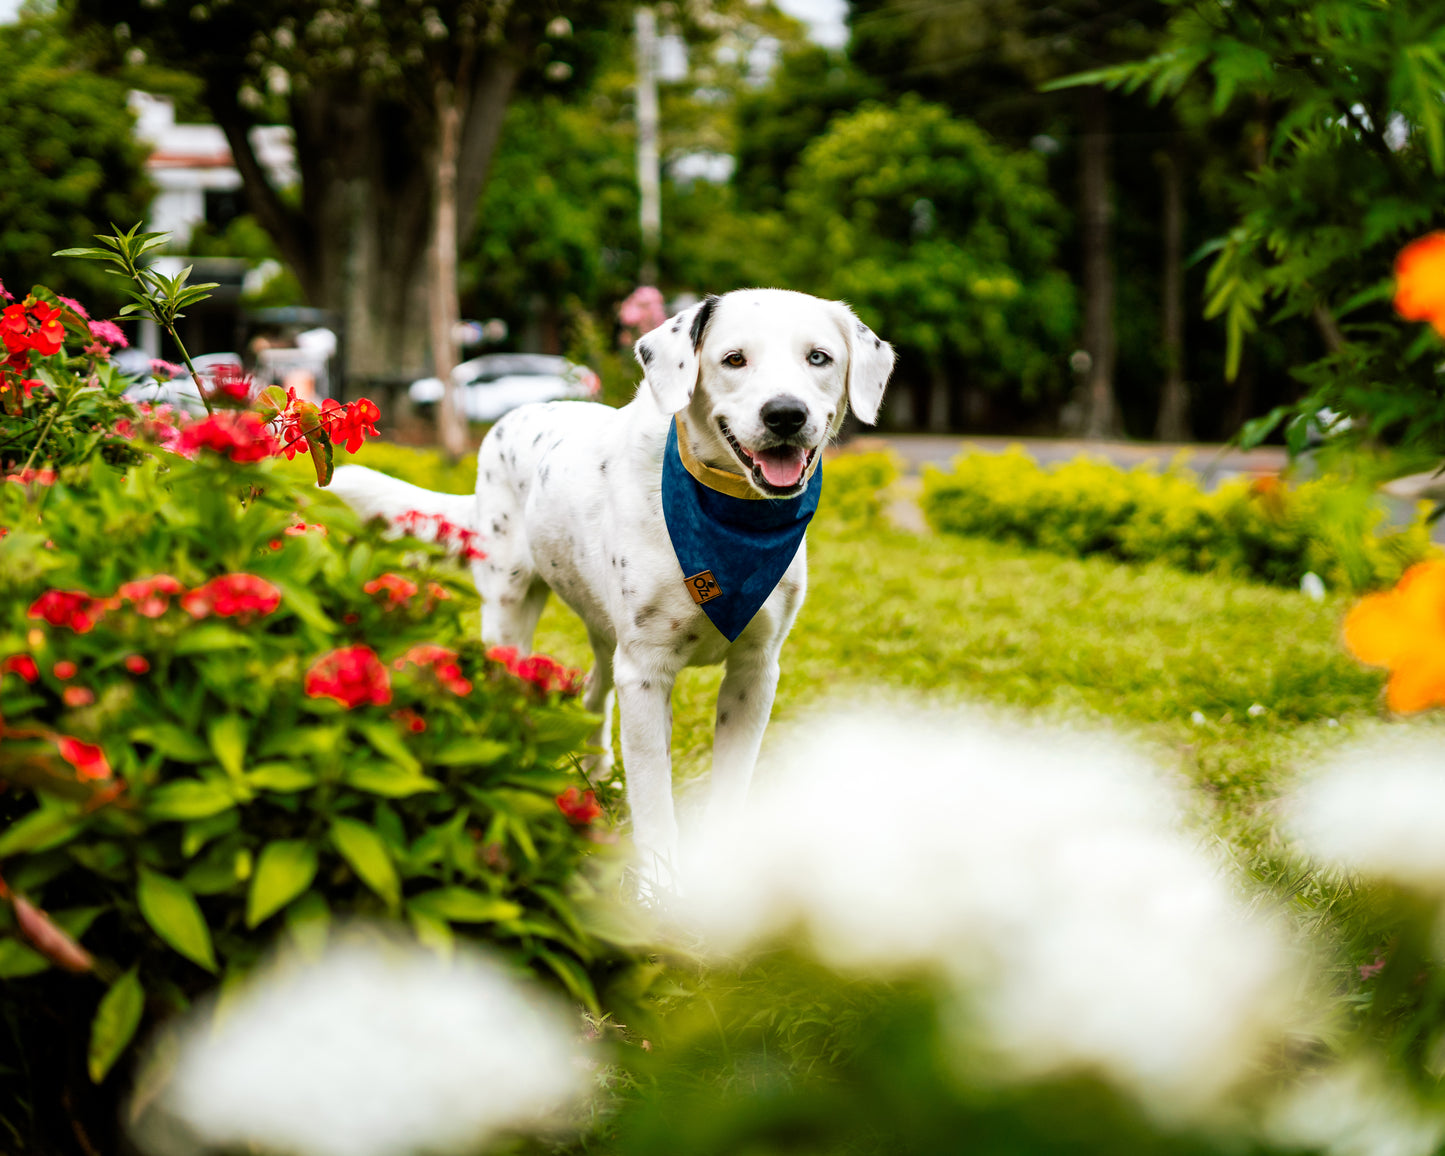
(703, 587)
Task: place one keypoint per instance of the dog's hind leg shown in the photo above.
(599, 699)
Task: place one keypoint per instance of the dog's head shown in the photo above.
(764, 374)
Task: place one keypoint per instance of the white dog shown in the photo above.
(570, 498)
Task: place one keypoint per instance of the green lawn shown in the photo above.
(1139, 648)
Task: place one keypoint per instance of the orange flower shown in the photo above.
(1404, 629)
(1420, 281)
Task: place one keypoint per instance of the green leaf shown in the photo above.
(187, 799)
(390, 783)
(365, 850)
(18, 961)
(175, 916)
(173, 742)
(228, 740)
(470, 752)
(286, 869)
(39, 831)
(308, 922)
(116, 1020)
(308, 740)
(283, 778)
(211, 636)
(430, 932)
(385, 738)
(573, 976)
(461, 905)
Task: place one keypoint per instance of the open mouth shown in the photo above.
(775, 470)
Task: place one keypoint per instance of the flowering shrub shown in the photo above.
(1264, 529)
(254, 714)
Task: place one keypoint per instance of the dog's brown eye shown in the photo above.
(735, 359)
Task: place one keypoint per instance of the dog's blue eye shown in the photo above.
(818, 357)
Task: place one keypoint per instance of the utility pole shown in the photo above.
(648, 180)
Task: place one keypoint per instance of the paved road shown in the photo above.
(1213, 463)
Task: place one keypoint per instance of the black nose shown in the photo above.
(784, 416)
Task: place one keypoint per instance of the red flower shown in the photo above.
(304, 527)
(396, 588)
(230, 383)
(436, 528)
(73, 608)
(579, 808)
(49, 335)
(1420, 281)
(443, 663)
(150, 597)
(352, 675)
(351, 423)
(78, 696)
(15, 328)
(41, 477)
(546, 674)
(409, 719)
(87, 759)
(21, 664)
(242, 437)
(65, 669)
(137, 663)
(232, 594)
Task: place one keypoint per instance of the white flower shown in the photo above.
(1353, 1110)
(1048, 873)
(376, 1049)
(1379, 810)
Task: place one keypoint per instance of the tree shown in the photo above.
(1351, 168)
(396, 108)
(946, 243)
(69, 162)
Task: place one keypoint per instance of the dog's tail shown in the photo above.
(372, 495)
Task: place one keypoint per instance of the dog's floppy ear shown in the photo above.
(870, 361)
(669, 355)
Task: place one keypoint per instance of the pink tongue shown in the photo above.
(782, 466)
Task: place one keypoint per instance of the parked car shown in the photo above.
(495, 383)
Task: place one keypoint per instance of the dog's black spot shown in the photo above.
(722, 718)
(543, 473)
(497, 527)
(603, 466)
(487, 474)
(614, 560)
(554, 564)
(624, 563)
(646, 685)
(742, 696)
(538, 438)
(877, 343)
(644, 353)
(862, 329)
(506, 517)
(700, 320)
(680, 364)
(515, 571)
(692, 637)
(646, 614)
(676, 327)
(499, 433)
(675, 625)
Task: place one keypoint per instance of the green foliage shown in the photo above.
(1355, 169)
(69, 160)
(944, 241)
(854, 485)
(1267, 530)
(238, 801)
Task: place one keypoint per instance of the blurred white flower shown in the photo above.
(377, 1048)
(1353, 1110)
(1049, 873)
(1378, 810)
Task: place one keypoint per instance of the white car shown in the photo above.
(496, 383)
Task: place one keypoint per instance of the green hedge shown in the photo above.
(853, 488)
(1264, 529)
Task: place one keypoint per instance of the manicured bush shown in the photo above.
(853, 488)
(1265, 529)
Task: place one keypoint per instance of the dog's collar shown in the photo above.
(734, 485)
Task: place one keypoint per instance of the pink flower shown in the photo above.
(78, 696)
(111, 334)
(396, 588)
(74, 306)
(150, 597)
(5, 294)
(643, 310)
(165, 370)
(443, 663)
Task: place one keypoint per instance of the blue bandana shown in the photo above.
(733, 551)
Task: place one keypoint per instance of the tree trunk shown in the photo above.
(1173, 423)
(940, 400)
(360, 241)
(1101, 412)
(445, 311)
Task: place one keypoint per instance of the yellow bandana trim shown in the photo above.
(723, 481)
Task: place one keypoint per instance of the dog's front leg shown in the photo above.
(644, 697)
(744, 704)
